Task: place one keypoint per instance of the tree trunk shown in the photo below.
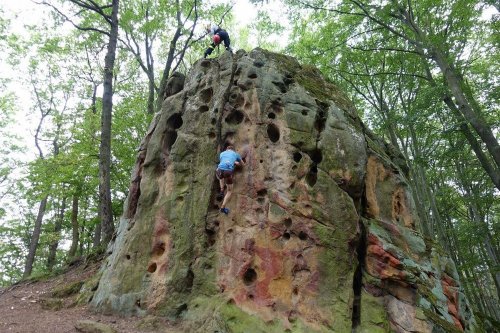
(35, 237)
(96, 239)
(454, 81)
(166, 70)
(75, 234)
(105, 148)
(51, 259)
(492, 172)
(492, 259)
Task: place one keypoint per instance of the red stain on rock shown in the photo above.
(161, 227)
(158, 248)
(250, 246)
(271, 261)
(380, 263)
(276, 231)
(451, 292)
(448, 280)
(313, 285)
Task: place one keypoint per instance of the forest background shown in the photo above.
(80, 81)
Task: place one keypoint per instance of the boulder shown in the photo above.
(322, 234)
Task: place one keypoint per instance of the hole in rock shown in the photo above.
(286, 235)
(211, 135)
(261, 161)
(138, 303)
(206, 95)
(203, 108)
(305, 112)
(229, 231)
(271, 115)
(295, 290)
(297, 156)
(273, 132)
(277, 101)
(174, 121)
(316, 156)
(235, 118)
(281, 86)
(128, 256)
(205, 63)
(288, 222)
(250, 296)
(262, 192)
(250, 276)
(252, 75)
(213, 121)
(152, 267)
(312, 176)
(181, 309)
(189, 280)
(170, 138)
(210, 236)
(159, 248)
(258, 63)
(302, 236)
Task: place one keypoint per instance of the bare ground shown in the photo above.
(24, 309)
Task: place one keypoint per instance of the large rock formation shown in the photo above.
(322, 234)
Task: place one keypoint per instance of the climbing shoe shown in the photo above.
(225, 210)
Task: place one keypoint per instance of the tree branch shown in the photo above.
(383, 73)
(66, 18)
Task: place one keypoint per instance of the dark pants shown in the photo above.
(224, 174)
(224, 36)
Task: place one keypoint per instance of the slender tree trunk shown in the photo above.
(75, 234)
(493, 173)
(105, 148)
(166, 70)
(491, 257)
(96, 239)
(151, 98)
(35, 238)
(51, 259)
(455, 83)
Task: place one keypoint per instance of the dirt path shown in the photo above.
(24, 308)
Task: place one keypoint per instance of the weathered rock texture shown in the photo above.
(322, 231)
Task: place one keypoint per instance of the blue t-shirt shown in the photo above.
(227, 159)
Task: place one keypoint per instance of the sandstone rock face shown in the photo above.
(322, 233)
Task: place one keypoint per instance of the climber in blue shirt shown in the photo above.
(227, 160)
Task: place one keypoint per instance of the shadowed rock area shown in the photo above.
(322, 234)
